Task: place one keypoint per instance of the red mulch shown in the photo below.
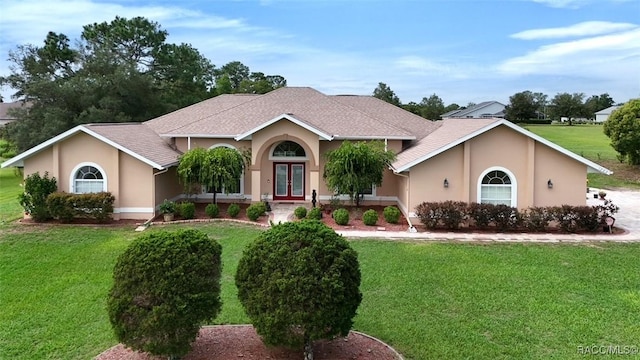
(355, 220)
(241, 342)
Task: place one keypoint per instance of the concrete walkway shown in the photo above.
(628, 218)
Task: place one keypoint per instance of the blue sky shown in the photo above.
(463, 51)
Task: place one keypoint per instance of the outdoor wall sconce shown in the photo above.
(445, 183)
(549, 184)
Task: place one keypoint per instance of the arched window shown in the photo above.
(497, 186)
(88, 178)
(288, 149)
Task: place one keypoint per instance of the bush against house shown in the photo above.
(66, 207)
(299, 282)
(166, 285)
(34, 198)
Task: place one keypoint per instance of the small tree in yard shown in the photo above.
(355, 167)
(166, 284)
(218, 168)
(299, 282)
(623, 128)
(34, 198)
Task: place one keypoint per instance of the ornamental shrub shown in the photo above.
(34, 198)
(165, 286)
(587, 218)
(429, 214)
(254, 211)
(370, 217)
(453, 213)
(212, 210)
(506, 217)
(186, 210)
(341, 216)
(391, 214)
(60, 206)
(299, 282)
(536, 218)
(300, 212)
(566, 218)
(314, 214)
(233, 210)
(481, 214)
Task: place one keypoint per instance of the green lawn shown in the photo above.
(428, 300)
(589, 141)
(10, 187)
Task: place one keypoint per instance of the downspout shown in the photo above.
(412, 228)
(147, 223)
(188, 142)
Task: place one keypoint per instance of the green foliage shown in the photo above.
(262, 207)
(165, 286)
(300, 212)
(212, 210)
(314, 214)
(391, 214)
(186, 210)
(384, 93)
(7, 149)
(354, 167)
(233, 210)
(568, 105)
(299, 282)
(481, 214)
(254, 211)
(167, 207)
(536, 218)
(506, 217)
(370, 217)
(96, 206)
(218, 168)
(526, 106)
(623, 128)
(34, 198)
(341, 216)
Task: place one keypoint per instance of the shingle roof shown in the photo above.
(460, 113)
(139, 139)
(336, 116)
(608, 110)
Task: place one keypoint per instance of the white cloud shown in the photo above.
(587, 28)
(572, 4)
(608, 56)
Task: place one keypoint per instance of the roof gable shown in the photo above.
(456, 131)
(156, 155)
(300, 123)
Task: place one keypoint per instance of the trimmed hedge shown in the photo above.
(254, 211)
(451, 215)
(314, 214)
(233, 210)
(300, 212)
(391, 214)
(66, 207)
(370, 217)
(212, 210)
(186, 210)
(341, 216)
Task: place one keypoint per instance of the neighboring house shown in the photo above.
(603, 115)
(484, 110)
(5, 117)
(288, 132)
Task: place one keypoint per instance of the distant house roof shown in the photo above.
(463, 113)
(5, 116)
(608, 110)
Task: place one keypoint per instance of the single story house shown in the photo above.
(484, 110)
(603, 115)
(288, 131)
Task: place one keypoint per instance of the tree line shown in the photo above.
(522, 106)
(118, 71)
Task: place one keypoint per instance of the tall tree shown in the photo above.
(384, 92)
(355, 167)
(568, 105)
(623, 128)
(451, 107)
(432, 107)
(596, 103)
(522, 107)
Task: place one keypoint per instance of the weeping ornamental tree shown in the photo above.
(355, 167)
(218, 168)
(299, 282)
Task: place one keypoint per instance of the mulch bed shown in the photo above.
(356, 223)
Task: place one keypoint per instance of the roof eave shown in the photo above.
(206, 136)
(298, 122)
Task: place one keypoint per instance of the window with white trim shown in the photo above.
(88, 179)
(288, 149)
(497, 188)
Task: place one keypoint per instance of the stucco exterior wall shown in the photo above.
(568, 176)
(427, 178)
(136, 187)
(167, 185)
(41, 162)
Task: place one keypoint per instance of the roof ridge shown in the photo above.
(367, 115)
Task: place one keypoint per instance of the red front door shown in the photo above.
(288, 181)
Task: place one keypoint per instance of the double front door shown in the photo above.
(288, 181)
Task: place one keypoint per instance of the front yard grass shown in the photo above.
(428, 300)
(10, 188)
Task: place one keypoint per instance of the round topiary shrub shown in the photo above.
(370, 217)
(314, 214)
(300, 212)
(341, 216)
(254, 211)
(186, 210)
(233, 210)
(299, 282)
(166, 285)
(212, 210)
(391, 214)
